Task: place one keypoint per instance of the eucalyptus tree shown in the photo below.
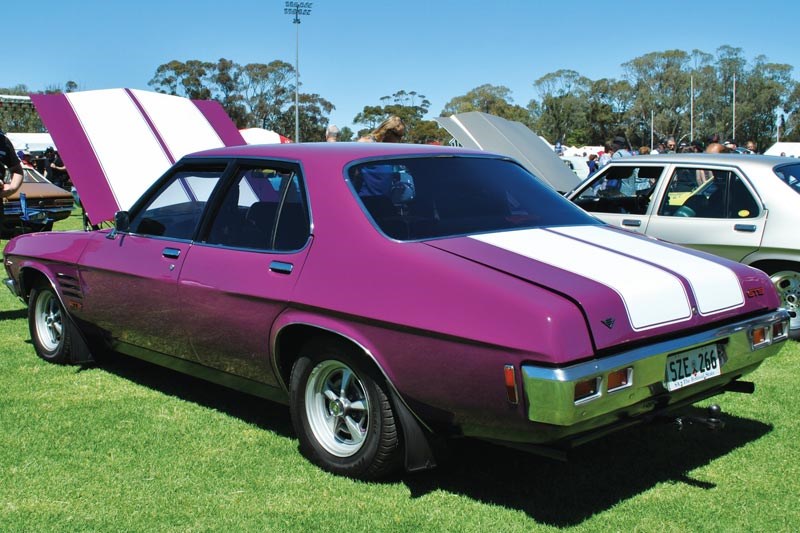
(254, 95)
(188, 79)
(763, 89)
(661, 85)
(563, 99)
(492, 99)
(410, 106)
(608, 105)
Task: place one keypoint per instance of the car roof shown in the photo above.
(714, 159)
(339, 151)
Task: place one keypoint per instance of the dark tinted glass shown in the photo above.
(430, 197)
(264, 209)
(790, 175)
(175, 210)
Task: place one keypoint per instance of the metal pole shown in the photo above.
(691, 114)
(297, 82)
(734, 106)
(297, 9)
(652, 129)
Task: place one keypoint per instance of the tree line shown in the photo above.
(684, 95)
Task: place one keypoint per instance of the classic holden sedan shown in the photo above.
(392, 293)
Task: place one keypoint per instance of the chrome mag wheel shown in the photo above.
(48, 320)
(788, 284)
(337, 407)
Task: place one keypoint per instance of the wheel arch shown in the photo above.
(31, 276)
(292, 336)
(416, 433)
(771, 266)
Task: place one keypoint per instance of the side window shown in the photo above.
(620, 189)
(175, 211)
(741, 203)
(264, 209)
(707, 193)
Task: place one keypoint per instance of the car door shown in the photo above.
(130, 276)
(239, 276)
(621, 194)
(711, 209)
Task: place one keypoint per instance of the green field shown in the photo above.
(125, 446)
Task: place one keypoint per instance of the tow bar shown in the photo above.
(713, 421)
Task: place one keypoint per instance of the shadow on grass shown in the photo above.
(15, 314)
(598, 476)
(265, 414)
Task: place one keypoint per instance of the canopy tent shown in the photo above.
(32, 142)
(262, 136)
(788, 149)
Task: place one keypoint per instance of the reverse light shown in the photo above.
(587, 389)
(779, 331)
(619, 379)
(511, 384)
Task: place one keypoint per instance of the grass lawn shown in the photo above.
(125, 446)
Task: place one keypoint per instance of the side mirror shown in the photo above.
(122, 221)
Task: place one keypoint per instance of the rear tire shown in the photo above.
(50, 327)
(341, 412)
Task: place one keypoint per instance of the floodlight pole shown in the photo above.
(297, 9)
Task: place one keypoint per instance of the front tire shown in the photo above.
(50, 327)
(341, 412)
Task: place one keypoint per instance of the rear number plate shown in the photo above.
(691, 366)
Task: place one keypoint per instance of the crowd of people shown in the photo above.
(620, 147)
(49, 164)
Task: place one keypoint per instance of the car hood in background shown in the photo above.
(116, 142)
(481, 131)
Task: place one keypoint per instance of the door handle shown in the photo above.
(750, 228)
(631, 222)
(171, 253)
(281, 267)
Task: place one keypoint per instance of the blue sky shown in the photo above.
(354, 52)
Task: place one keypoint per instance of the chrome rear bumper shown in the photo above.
(551, 395)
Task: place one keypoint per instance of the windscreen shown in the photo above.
(430, 197)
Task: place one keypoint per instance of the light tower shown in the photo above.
(297, 9)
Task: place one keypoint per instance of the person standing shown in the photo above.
(60, 176)
(331, 134)
(10, 161)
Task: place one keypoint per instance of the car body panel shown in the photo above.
(441, 318)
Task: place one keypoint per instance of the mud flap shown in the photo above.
(418, 452)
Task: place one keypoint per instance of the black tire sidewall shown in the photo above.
(362, 463)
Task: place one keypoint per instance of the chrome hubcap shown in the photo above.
(49, 325)
(788, 285)
(337, 407)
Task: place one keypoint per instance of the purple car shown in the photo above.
(393, 293)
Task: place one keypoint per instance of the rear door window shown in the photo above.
(708, 193)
